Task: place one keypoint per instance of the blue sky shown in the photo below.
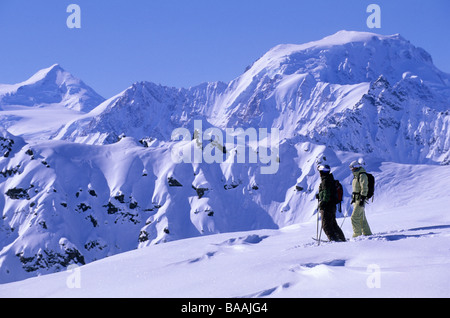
(183, 43)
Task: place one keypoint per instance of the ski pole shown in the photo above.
(320, 233)
(345, 216)
(317, 211)
(317, 230)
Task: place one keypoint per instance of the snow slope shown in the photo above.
(408, 256)
(34, 123)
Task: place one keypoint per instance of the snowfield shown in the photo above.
(409, 256)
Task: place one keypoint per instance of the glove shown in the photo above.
(362, 200)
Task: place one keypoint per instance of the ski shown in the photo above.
(327, 241)
(322, 241)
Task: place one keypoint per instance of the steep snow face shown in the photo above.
(345, 58)
(9, 144)
(405, 123)
(349, 58)
(353, 91)
(144, 110)
(52, 85)
(310, 90)
(327, 76)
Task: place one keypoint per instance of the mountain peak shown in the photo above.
(337, 39)
(45, 73)
(348, 57)
(49, 86)
(344, 36)
(55, 67)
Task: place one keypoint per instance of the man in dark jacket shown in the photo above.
(327, 205)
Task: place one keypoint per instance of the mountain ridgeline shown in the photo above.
(328, 91)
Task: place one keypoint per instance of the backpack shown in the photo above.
(339, 191)
(371, 180)
(339, 194)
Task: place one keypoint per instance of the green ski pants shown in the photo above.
(359, 221)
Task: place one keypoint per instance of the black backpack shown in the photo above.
(371, 180)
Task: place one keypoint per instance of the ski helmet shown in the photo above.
(355, 165)
(324, 168)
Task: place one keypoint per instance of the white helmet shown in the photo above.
(355, 165)
(324, 168)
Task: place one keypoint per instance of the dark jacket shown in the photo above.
(327, 191)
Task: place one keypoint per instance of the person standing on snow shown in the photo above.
(360, 188)
(327, 204)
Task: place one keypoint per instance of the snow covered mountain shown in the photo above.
(144, 110)
(382, 85)
(102, 180)
(52, 85)
(37, 108)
